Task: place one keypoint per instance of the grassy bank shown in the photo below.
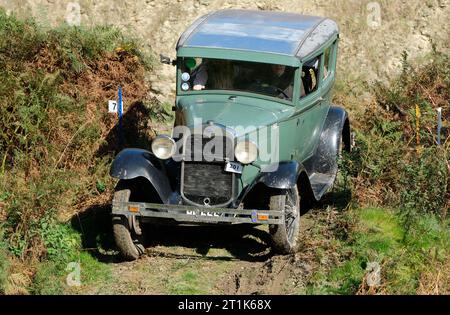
(57, 141)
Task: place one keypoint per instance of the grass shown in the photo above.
(53, 278)
(4, 263)
(379, 237)
(193, 277)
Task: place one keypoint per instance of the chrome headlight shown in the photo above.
(163, 147)
(246, 152)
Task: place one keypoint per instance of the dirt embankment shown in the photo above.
(373, 34)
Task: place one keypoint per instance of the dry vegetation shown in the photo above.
(57, 139)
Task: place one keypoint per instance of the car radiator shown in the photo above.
(206, 183)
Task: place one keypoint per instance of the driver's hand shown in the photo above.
(198, 87)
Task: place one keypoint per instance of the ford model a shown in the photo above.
(255, 131)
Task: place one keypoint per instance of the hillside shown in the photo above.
(57, 142)
(374, 34)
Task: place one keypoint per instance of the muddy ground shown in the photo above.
(214, 259)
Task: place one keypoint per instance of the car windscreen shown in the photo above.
(218, 74)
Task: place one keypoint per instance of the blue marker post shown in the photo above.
(120, 111)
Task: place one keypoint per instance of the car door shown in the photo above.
(328, 77)
(309, 108)
(315, 102)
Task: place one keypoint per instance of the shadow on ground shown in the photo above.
(95, 228)
(241, 242)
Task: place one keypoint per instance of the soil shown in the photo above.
(216, 259)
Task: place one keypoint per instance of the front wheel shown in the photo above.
(128, 242)
(285, 237)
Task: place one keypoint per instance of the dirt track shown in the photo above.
(218, 259)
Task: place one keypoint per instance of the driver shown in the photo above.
(279, 78)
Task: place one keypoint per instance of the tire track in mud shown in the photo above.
(277, 275)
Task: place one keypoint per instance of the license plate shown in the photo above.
(233, 167)
(203, 213)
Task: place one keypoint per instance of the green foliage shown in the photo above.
(60, 240)
(425, 186)
(4, 262)
(380, 237)
(51, 276)
(32, 206)
(48, 139)
(387, 165)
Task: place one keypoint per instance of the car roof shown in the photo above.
(262, 31)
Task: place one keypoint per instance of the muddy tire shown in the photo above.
(285, 237)
(341, 146)
(128, 242)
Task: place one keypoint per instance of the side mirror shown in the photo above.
(166, 60)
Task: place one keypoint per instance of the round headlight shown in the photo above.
(163, 147)
(185, 86)
(246, 152)
(185, 76)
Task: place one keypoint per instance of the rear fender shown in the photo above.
(336, 127)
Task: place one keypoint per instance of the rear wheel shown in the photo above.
(130, 244)
(285, 237)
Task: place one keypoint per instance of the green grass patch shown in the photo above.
(4, 263)
(195, 277)
(69, 276)
(380, 237)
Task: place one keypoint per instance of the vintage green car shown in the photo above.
(255, 132)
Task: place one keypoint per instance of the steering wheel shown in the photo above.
(282, 92)
(267, 89)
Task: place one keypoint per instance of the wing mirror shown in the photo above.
(166, 60)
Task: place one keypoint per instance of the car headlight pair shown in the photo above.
(164, 147)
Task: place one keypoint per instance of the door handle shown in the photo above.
(320, 99)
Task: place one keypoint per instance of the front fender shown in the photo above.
(284, 176)
(133, 163)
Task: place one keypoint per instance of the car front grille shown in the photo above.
(206, 183)
(198, 148)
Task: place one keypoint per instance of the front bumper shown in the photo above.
(183, 213)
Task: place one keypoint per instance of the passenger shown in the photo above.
(200, 78)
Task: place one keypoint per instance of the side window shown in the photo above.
(327, 61)
(310, 76)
